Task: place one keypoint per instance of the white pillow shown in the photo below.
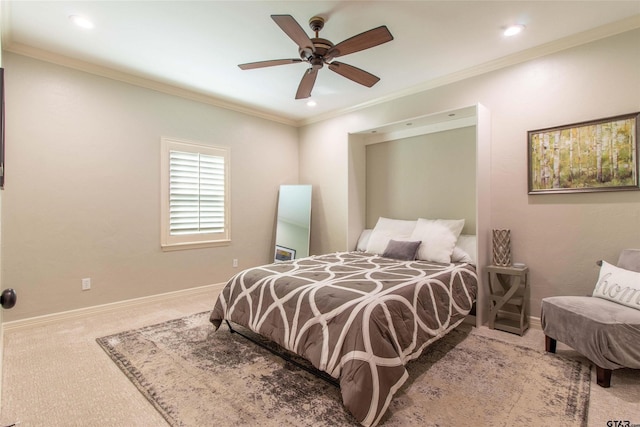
(438, 238)
(387, 229)
(465, 250)
(460, 255)
(363, 240)
(618, 285)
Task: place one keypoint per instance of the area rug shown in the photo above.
(196, 377)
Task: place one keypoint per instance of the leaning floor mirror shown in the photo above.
(293, 226)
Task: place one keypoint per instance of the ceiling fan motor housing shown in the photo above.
(321, 47)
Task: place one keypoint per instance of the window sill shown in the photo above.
(194, 245)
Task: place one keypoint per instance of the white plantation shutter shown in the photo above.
(196, 202)
(196, 193)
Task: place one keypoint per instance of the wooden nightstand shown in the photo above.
(509, 294)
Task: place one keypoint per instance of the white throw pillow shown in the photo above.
(618, 285)
(465, 250)
(363, 240)
(460, 255)
(387, 229)
(438, 237)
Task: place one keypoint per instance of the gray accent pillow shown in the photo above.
(402, 250)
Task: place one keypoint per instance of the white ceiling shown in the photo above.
(195, 46)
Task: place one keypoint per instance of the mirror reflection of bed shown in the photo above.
(293, 226)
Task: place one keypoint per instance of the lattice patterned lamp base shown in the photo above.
(502, 247)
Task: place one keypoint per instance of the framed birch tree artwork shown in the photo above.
(599, 155)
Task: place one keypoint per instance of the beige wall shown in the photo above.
(559, 236)
(443, 163)
(82, 196)
(82, 193)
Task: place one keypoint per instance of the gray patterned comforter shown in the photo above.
(357, 316)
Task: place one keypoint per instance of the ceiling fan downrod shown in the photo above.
(321, 46)
(316, 23)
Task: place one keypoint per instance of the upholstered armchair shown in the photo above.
(604, 327)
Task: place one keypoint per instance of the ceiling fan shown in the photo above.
(317, 52)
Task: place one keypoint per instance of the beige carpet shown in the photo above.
(194, 376)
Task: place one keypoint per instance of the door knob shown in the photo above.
(8, 298)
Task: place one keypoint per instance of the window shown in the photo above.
(195, 195)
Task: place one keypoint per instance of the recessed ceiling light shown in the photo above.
(512, 30)
(311, 103)
(81, 21)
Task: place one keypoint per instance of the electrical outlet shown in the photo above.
(235, 262)
(86, 284)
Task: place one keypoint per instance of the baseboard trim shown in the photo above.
(105, 308)
(534, 323)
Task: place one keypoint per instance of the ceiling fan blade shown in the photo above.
(354, 73)
(360, 42)
(291, 27)
(306, 84)
(271, 63)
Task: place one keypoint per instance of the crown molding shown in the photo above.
(574, 40)
(140, 81)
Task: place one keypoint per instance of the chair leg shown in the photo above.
(603, 377)
(549, 344)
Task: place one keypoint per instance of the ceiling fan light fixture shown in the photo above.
(81, 21)
(306, 53)
(512, 30)
(311, 103)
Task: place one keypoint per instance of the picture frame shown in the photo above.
(284, 254)
(596, 155)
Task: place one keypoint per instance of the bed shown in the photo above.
(359, 316)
